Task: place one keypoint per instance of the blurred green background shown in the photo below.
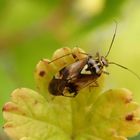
(33, 29)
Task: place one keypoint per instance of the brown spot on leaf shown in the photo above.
(8, 107)
(129, 117)
(74, 56)
(8, 125)
(35, 102)
(42, 73)
(128, 100)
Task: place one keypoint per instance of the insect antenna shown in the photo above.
(113, 38)
(60, 57)
(83, 53)
(126, 69)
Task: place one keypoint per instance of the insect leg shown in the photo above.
(94, 84)
(68, 96)
(75, 93)
(61, 57)
(105, 72)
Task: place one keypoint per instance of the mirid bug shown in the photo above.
(65, 81)
(82, 73)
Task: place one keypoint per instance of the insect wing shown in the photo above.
(57, 86)
(84, 80)
(73, 70)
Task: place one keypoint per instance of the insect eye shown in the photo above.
(104, 61)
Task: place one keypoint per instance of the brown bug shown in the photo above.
(82, 73)
(66, 78)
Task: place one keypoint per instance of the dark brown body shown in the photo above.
(57, 86)
(68, 75)
(72, 80)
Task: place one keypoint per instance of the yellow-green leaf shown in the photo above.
(91, 115)
(113, 116)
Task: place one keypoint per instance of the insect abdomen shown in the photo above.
(56, 87)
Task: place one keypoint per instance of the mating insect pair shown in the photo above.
(82, 73)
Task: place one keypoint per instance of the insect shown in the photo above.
(82, 73)
(65, 81)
